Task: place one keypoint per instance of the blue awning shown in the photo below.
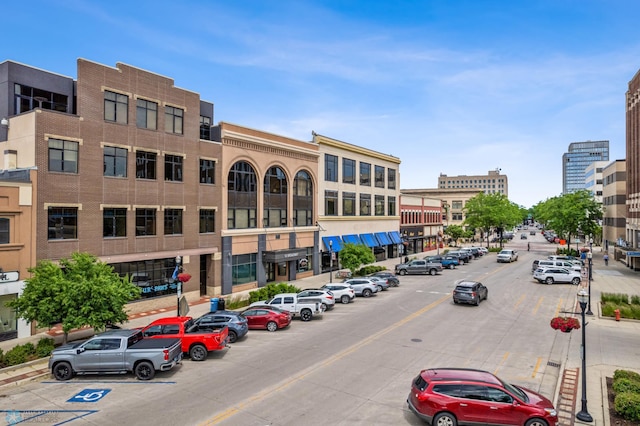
(336, 243)
(369, 240)
(351, 239)
(395, 237)
(383, 238)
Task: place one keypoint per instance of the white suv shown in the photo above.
(326, 297)
(342, 292)
(362, 286)
(553, 274)
(508, 255)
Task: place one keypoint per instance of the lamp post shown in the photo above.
(330, 262)
(590, 255)
(179, 283)
(590, 260)
(584, 415)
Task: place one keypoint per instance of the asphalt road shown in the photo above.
(354, 366)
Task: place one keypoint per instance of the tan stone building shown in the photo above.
(614, 187)
(493, 182)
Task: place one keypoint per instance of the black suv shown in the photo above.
(470, 292)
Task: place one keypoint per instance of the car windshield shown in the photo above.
(516, 391)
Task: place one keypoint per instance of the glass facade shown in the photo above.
(576, 160)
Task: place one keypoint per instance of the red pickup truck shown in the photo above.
(196, 343)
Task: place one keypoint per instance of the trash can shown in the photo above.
(221, 304)
(214, 304)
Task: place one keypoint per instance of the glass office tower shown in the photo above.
(574, 163)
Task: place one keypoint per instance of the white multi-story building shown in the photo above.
(593, 179)
(492, 182)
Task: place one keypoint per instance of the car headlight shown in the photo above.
(551, 411)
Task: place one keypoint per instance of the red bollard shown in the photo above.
(617, 312)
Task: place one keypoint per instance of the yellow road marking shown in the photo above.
(535, 370)
(558, 307)
(535, 309)
(504, 358)
(519, 301)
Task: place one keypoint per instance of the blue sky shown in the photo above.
(454, 87)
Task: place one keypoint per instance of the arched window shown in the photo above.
(302, 199)
(275, 198)
(242, 196)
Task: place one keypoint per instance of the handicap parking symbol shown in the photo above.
(89, 395)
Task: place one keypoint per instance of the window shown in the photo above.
(207, 171)
(115, 161)
(205, 128)
(365, 174)
(63, 223)
(116, 107)
(145, 165)
(114, 222)
(379, 205)
(330, 168)
(348, 171)
(145, 222)
(275, 198)
(331, 203)
(391, 178)
(173, 168)
(349, 203)
(243, 269)
(302, 199)
(456, 205)
(63, 156)
(242, 196)
(173, 120)
(146, 114)
(379, 177)
(172, 221)
(207, 221)
(365, 204)
(4, 231)
(456, 216)
(391, 206)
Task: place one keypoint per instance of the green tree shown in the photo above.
(81, 291)
(486, 212)
(354, 255)
(455, 232)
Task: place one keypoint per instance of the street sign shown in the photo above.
(90, 395)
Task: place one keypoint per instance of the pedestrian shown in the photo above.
(606, 259)
(528, 246)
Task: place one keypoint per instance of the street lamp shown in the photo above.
(179, 283)
(330, 262)
(590, 255)
(584, 415)
(590, 260)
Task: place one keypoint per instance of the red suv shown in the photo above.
(460, 396)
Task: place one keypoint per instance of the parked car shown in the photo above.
(532, 232)
(523, 236)
(534, 265)
(306, 308)
(390, 276)
(463, 256)
(341, 291)
(567, 258)
(551, 275)
(507, 255)
(447, 261)
(471, 292)
(418, 267)
(326, 296)
(237, 324)
(266, 318)
(382, 283)
(560, 263)
(362, 286)
(460, 396)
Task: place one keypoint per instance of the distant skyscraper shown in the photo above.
(574, 163)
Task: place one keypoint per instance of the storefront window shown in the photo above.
(153, 277)
(8, 323)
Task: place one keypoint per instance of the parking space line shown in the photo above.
(535, 369)
(504, 358)
(535, 308)
(519, 301)
(558, 307)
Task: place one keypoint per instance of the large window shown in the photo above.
(146, 114)
(330, 168)
(145, 222)
(302, 199)
(173, 118)
(173, 168)
(331, 203)
(63, 156)
(4, 231)
(28, 98)
(242, 196)
(115, 161)
(145, 165)
(379, 205)
(379, 176)
(152, 276)
(365, 174)
(172, 221)
(114, 222)
(205, 128)
(365, 204)
(207, 221)
(63, 223)
(349, 203)
(116, 107)
(275, 198)
(207, 171)
(348, 171)
(391, 206)
(456, 205)
(391, 178)
(243, 269)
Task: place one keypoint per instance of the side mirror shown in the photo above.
(79, 350)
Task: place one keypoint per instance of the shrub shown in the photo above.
(635, 300)
(369, 269)
(626, 385)
(2, 364)
(236, 302)
(627, 404)
(617, 298)
(17, 355)
(44, 347)
(626, 374)
(270, 290)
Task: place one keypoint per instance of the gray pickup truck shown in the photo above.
(116, 352)
(419, 267)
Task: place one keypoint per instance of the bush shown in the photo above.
(236, 302)
(368, 270)
(627, 404)
(617, 298)
(626, 374)
(44, 347)
(2, 364)
(17, 355)
(635, 300)
(270, 290)
(626, 385)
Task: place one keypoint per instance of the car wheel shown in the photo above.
(477, 301)
(272, 326)
(345, 299)
(144, 370)
(445, 419)
(366, 292)
(324, 307)
(451, 266)
(306, 315)
(486, 295)
(575, 281)
(535, 422)
(403, 272)
(198, 353)
(233, 336)
(549, 280)
(62, 371)
(455, 302)
(432, 272)
(380, 288)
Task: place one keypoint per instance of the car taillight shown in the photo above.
(330, 297)
(166, 354)
(473, 294)
(422, 396)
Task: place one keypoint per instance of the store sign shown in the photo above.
(7, 277)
